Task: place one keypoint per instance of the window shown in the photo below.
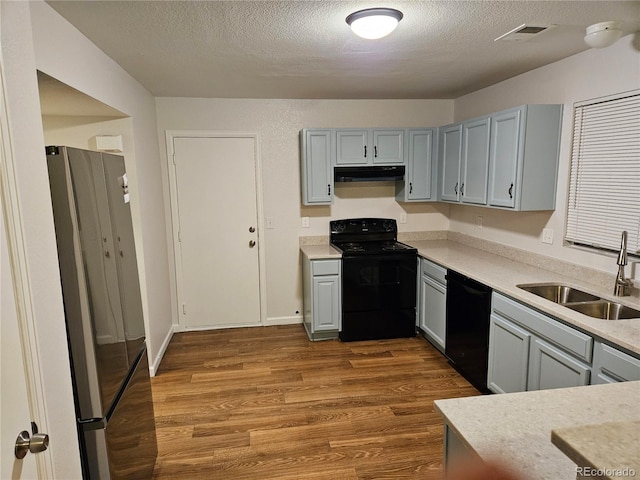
(604, 188)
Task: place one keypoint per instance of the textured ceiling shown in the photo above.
(304, 49)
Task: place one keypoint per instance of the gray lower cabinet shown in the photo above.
(611, 365)
(551, 367)
(322, 298)
(509, 347)
(531, 351)
(432, 295)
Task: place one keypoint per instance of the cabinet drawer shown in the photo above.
(433, 270)
(617, 364)
(571, 340)
(325, 267)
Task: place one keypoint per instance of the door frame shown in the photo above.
(25, 309)
(173, 217)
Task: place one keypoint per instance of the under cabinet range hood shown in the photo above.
(369, 174)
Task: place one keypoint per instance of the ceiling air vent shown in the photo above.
(523, 33)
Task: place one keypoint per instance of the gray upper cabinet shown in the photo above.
(369, 147)
(523, 159)
(504, 160)
(317, 150)
(465, 161)
(421, 174)
(475, 161)
(450, 156)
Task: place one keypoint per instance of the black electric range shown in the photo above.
(378, 279)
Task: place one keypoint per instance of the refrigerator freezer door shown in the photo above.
(127, 447)
(130, 434)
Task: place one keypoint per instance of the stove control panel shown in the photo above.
(363, 225)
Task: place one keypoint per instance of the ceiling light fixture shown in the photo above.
(373, 23)
(603, 34)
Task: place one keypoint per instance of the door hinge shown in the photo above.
(179, 236)
(184, 308)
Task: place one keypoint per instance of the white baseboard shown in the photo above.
(283, 320)
(155, 364)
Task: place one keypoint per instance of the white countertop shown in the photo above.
(318, 252)
(611, 449)
(515, 428)
(503, 274)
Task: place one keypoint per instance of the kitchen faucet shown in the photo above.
(622, 286)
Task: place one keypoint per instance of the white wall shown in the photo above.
(62, 52)
(591, 74)
(80, 131)
(278, 123)
(27, 143)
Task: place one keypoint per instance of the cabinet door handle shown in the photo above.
(329, 189)
(511, 191)
(365, 151)
(375, 151)
(455, 189)
(410, 188)
(462, 189)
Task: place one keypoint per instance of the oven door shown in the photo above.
(378, 282)
(378, 297)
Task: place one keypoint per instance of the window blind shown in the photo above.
(604, 187)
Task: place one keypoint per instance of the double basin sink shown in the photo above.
(582, 302)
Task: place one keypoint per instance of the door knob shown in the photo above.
(252, 229)
(25, 443)
(252, 243)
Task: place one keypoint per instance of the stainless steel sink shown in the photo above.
(605, 310)
(583, 302)
(558, 293)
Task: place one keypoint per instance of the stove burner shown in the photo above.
(393, 246)
(351, 247)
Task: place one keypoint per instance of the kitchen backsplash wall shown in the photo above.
(591, 74)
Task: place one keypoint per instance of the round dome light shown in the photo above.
(603, 34)
(374, 23)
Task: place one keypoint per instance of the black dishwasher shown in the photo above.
(467, 331)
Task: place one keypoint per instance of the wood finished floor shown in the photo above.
(265, 403)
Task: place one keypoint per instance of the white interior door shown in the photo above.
(14, 403)
(217, 239)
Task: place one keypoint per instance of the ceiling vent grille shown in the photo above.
(523, 33)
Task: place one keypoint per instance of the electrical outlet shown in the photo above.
(305, 222)
(479, 221)
(547, 235)
(403, 217)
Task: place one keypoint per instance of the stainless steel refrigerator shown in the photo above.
(103, 309)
